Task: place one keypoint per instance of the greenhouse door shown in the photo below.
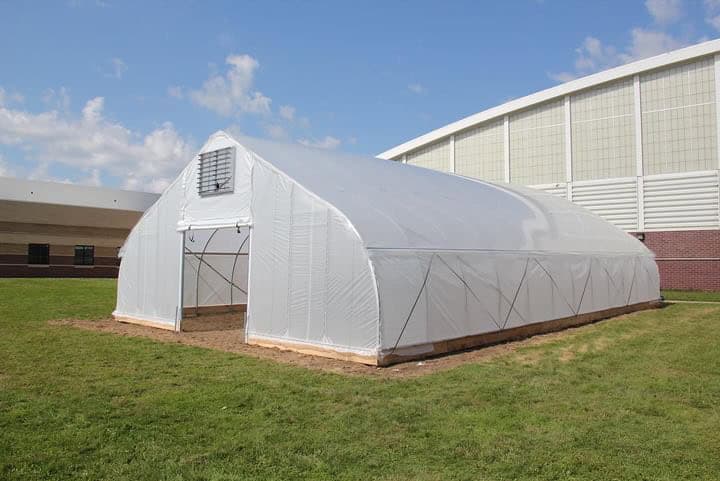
(215, 277)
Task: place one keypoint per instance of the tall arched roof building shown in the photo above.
(636, 144)
(368, 260)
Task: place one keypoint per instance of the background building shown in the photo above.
(50, 229)
(637, 144)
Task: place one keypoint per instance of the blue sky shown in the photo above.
(122, 94)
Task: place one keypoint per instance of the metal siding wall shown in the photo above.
(681, 201)
(479, 152)
(615, 200)
(603, 134)
(678, 118)
(537, 144)
(434, 156)
(643, 159)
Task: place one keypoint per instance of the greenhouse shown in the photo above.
(369, 260)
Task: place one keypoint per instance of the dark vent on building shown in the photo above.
(216, 171)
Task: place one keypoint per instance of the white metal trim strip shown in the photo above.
(568, 141)
(506, 139)
(452, 154)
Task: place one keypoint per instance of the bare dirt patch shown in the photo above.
(225, 333)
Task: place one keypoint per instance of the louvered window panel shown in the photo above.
(216, 172)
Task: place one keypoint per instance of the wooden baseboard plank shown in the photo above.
(431, 349)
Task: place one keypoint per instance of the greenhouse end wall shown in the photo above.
(311, 285)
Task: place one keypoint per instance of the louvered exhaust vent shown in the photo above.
(216, 172)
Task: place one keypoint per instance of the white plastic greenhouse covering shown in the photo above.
(372, 258)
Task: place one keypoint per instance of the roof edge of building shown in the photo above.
(37, 191)
(616, 73)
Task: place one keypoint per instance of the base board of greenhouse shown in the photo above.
(431, 349)
(419, 351)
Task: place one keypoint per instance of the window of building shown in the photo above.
(84, 255)
(39, 254)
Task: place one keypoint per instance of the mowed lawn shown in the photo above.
(694, 296)
(630, 398)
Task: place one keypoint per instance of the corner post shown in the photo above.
(639, 171)
(181, 281)
(568, 148)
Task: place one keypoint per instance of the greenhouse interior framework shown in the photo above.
(215, 270)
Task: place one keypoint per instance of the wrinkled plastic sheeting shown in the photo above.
(149, 275)
(427, 297)
(394, 205)
(451, 256)
(310, 276)
(220, 279)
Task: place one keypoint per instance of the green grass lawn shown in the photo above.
(631, 398)
(671, 295)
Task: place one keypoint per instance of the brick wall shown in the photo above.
(15, 237)
(688, 260)
(14, 270)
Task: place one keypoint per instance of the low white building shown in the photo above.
(51, 229)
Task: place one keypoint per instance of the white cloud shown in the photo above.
(57, 99)
(416, 88)
(647, 43)
(117, 68)
(712, 13)
(92, 179)
(92, 112)
(328, 143)
(275, 131)
(287, 112)
(91, 143)
(41, 172)
(10, 97)
(665, 12)
(233, 93)
(235, 131)
(714, 21)
(593, 55)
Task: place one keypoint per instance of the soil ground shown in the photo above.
(225, 332)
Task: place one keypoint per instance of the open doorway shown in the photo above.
(215, 279)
